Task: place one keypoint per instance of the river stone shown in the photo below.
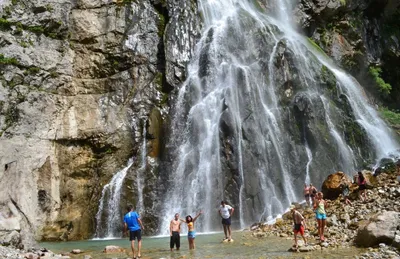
(379, 229)
(306, 249)
(113, 249)
(76, 251)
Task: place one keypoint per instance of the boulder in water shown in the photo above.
(113, 249)
(379, 229)
(331, 186)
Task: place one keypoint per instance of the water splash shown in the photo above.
(108, 217)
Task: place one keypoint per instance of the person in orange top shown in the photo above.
(191, 233)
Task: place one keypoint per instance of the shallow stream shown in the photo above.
(207, 246)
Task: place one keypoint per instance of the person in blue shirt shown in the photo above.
(133, 222)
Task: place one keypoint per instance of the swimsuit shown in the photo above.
(320, 212)
(191, 232)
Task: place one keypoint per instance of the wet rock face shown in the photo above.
(78, 82)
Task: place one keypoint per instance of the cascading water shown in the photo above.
(140, 172)
(108, 217)
(249, 123)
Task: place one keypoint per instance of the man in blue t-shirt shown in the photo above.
(133, 222)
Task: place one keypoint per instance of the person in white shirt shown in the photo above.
(226, 211)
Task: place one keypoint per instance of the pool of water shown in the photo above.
(207, 246)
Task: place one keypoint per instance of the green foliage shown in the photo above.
(11, 115)
(7, 10)
(343, 2)
(383, 87)
(49, 7)
(318, 48)
(32, 71)
(8, 61)
(35, 29)
(14, 2)
(391, 117)
(158, 79)
(5, 24)
(161, 25)
(53, 73)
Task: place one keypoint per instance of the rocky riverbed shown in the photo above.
(374, 223)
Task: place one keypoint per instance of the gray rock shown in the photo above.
(379, 229)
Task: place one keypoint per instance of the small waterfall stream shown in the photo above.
(108, 217)
(140, 172)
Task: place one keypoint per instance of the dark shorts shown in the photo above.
(175, 240)
(307, 196)
(135, 234)
(362, 187)
(226, 221)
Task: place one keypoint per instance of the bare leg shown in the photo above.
(295, 240)
(304, 238)
(319, 228)
(229, 231)
(139, 247)
(133, 247)
(190, 245)
(225, 231)
(193, 245)
(322, 229)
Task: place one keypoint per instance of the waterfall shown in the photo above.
(140, 172)
(108, 217)
(310, 157)
(253, 113)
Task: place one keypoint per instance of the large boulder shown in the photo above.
(331, 186)
(379, 229)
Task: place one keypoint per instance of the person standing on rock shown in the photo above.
(299, 225)
(226, 211)
(175, 231)
(306, 191)
(133, 223)
(345, 191)
(320, 214)
(362, 186)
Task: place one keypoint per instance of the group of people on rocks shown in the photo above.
(314, 197)
(134, 225)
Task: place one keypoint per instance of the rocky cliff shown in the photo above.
(80, 80)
